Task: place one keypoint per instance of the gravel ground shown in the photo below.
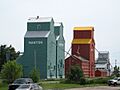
(97, 88)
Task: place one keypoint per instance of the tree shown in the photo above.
(35, 75)
(7, 53)
(116, 71)
(11, 71)
(75, 74)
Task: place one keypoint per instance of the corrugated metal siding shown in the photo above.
(57, 30)
(35, 34)
(37, 26)
(83, 45)
(41, 55)
(100, 73)
(60, 56)
(83, 50)
(81, 41)
(82, 34)
(40, 43)
(51, 56)
(70, 61)
(60, 48)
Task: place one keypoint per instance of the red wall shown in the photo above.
(87, 51)
(83, 49)
(82, 34)
(92, 60)
(100, 73)
(85, 68)
(70, 61)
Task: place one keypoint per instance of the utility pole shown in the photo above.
(115, 62)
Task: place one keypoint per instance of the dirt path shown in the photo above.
(97, 88)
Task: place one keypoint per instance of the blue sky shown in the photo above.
(104, 15)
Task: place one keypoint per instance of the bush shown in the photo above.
(35, 75)
(82, 81)
(97, 80)
(89, 81)
(75, 74)
(11, 71)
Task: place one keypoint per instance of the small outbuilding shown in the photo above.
(100, 73)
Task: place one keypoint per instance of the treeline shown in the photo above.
(7, 53)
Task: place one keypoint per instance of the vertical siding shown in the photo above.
(31, 52)
(60, 57)
(100, 73)
(38, 26)
(70, 61)
(44, 53)
(84, 50)
(82, 34)
(60, 48)
(51, 56)
(92, 59)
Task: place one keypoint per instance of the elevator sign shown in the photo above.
(35, 42)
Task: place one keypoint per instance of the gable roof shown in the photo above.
(101, 66)
(58, 24)
(75, 57)
(35, 34)
(40, 19)
(80, 58)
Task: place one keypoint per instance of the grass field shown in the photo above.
(66, 86)
(3, 87)
(48, 86)
(59, 86)
(54, 85)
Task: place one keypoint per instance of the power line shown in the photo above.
(68, 52)
(97, 50)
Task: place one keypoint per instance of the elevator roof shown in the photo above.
(83, 28)
(35, 34)
(81, 41)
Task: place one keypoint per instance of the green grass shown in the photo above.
(60, 86)
(3, 86)
(55, 85)
(66, 86)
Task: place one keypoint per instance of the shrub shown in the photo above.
(11, 71)
(75, 74)
(35, 75)
(101, 80)
(89, 81)
(82, 81)
(97, 80)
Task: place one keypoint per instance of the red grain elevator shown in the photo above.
(83, 45)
